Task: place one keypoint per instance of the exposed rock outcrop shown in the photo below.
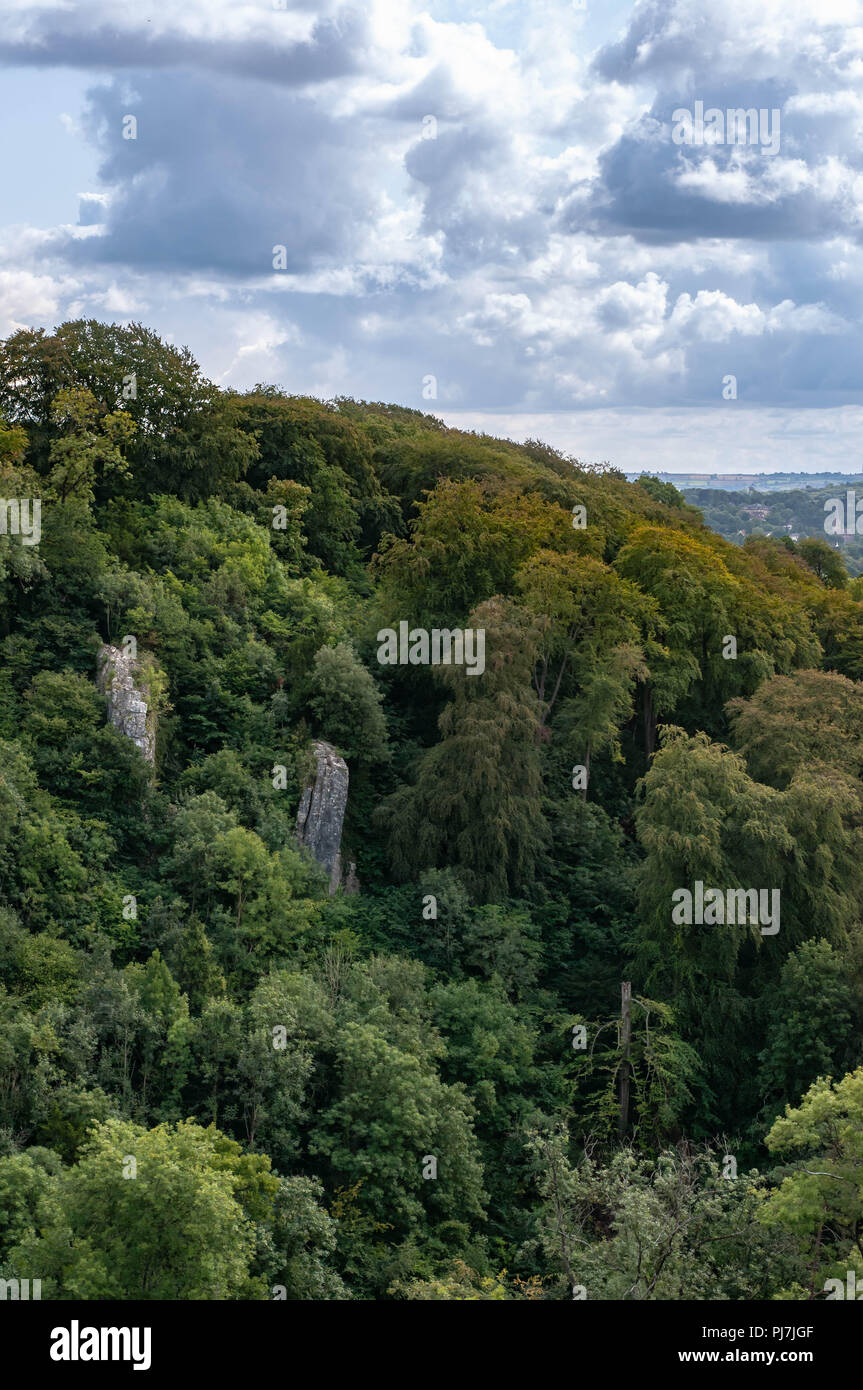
(128, 700)
(322, 811)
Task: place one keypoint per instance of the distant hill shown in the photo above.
(762, 482)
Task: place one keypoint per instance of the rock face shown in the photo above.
(322, 811)
(128, 709)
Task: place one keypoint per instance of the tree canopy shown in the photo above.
(505, 1059)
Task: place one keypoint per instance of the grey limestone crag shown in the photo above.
(322, 811)
(128, 708)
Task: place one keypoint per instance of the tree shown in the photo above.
(200, 823)
(662, 1075)
(795, 721)
(274, 1066)
(819, 1202)
(590, 722)
(589, 620)
(809, 1032)
(462, 1284)
(468, 541)
(666, 1229)
(316, 445)
(188, 438)
(705, 592)
(824, 561)
(666, 493)
(476, 802)
(297, 1243)
(25, 1180)
(391, 1112)
(195, 968)
(177, 1226)
(13, 443)
(79, 757)
(89, 447)
(703, 819)
(491, 1048)
(165, 1037)
(346, 705)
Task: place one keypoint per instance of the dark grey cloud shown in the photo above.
(660, 191)
(74, 37)
(638, 191)
(735, 55)
(222, 171)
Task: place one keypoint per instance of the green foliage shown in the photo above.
(666, 1229)
(180, 1227)
(177, 985)
(88, 447)
(662, 492)
(792, 722)
(476, 803)
(809, 1031)
(824, 561)
(346, 705)
(819, 1200)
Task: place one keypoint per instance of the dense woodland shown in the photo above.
(465, 1004)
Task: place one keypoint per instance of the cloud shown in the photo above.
(730, 438)
(670, 41)
(288, 45)
(215, 180)
(465, 192)
(715, 317)
(25, 298)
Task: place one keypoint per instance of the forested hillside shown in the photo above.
(220, 1080)
(799, 516)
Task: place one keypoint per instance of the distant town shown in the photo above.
(786, 506)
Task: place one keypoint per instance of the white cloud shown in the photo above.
(551, 247)
(26, 298)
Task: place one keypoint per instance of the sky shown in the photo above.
(494, 212)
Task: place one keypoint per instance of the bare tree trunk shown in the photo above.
(559, 1214)
(626, 1042)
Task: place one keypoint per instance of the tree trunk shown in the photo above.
(626, 1042)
